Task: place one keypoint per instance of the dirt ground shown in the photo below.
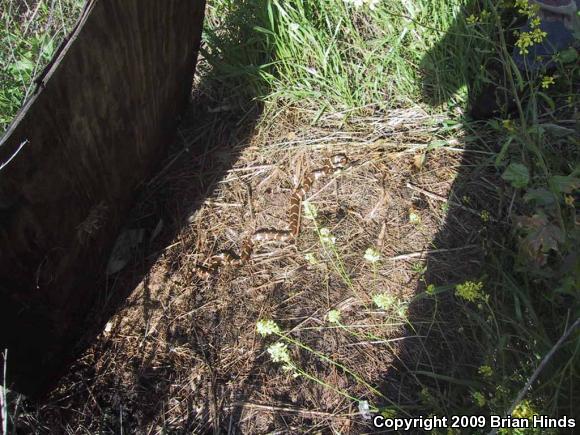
(182, 354)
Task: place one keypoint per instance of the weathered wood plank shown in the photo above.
(100, 121)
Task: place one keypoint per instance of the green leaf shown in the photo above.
(22, 66)
(561, 184)
(503, 151)
(450, 122)
(569, 55)
(569, 286)
(542, 197)
(557, 130)
(545, 238)
(541, 238)
(48, 50)
(517, 175)
(548, 100)
(516, 72)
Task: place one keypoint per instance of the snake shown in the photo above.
(213, 265)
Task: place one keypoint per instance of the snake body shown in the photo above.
(213, 265)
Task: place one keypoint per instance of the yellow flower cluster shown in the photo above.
(485, 371)
(482, 18)
(536, 35)
(547, 81)
(509, 125)
(524, 410)
(528, 39)
(479, 399)
(527, 8)
(470, 291)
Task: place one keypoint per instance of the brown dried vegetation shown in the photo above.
(183, 354)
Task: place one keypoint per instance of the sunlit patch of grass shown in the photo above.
(334, 55)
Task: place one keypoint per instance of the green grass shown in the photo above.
(28, 40)
(332, 56)
(328, 57)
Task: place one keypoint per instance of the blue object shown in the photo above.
(559, 37)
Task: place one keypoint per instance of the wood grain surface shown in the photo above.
(102, 117)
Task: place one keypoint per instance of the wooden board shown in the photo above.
(100, 121)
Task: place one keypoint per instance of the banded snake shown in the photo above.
(214, 263)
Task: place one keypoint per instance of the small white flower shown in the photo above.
(333, 316)
(311, 258)
(414, 217)
(384, 301)
(310, 211)
(372, 255)
(364, 409)
(279, 353)
(327, 237)
(312, 70)
(291, 368)
(401, 309)
(388, 302)
(267, 327)
(294, 27)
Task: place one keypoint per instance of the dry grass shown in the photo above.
(183, 354)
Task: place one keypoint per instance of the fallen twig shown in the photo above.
(428, 252)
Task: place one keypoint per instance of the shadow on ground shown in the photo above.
(220, 120)
(437, 371)
(442, 371)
